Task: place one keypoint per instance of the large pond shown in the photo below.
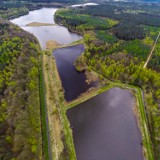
(105, 128)
(73, 82)
(46, 33)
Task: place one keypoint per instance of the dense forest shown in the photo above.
(20, 126)
(136, 14)
(119, 49)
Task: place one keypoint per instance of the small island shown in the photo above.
(39, 24)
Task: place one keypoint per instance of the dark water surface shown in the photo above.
(73, 82)
(105, 128)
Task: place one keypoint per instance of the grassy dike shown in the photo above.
(44, 126)
(60, 131)
(60, 134)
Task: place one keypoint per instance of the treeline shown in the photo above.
(4, 5)
(9, 10)
(125, 13)
(20, 127)
(14, 9)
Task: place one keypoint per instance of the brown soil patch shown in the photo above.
(51, 44)
(91, 77)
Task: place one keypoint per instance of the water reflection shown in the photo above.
(44, 15)
(73, 82)
(46, 33)
(105, 128)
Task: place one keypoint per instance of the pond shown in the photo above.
(105, 128)
(73, 82)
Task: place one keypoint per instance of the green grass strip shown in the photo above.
(45, 146)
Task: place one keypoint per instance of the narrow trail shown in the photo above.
(52, 97)
(47, 117)
(151, 53)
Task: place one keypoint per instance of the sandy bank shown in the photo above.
(51, 44)
(39, 24)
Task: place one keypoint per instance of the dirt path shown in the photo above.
(151, 53)
(52, 106)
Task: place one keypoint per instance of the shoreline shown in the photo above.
(140, 114)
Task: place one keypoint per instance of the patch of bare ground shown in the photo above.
(39, 24)
(50, 45)
(91, 77)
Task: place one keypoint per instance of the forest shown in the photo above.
(126, 13)
(119, 50)
(13, 12)
(20, 123)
